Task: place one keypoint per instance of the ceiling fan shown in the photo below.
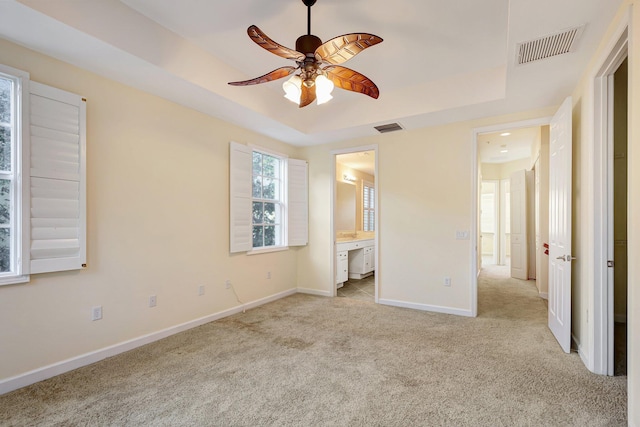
(319, 64)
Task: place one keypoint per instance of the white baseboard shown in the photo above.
(426, 307)
(544, 295)
(314, 292)
(36, 375)
(583, 356)
(620, 318)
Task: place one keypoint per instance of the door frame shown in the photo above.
(503, 221)
(334, 153)
(603, 312)
(475, 197)
(496, 220)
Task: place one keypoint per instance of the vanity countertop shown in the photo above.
(353, 239)
(353, 244)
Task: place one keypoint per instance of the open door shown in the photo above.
(560, 226)
(518, 228)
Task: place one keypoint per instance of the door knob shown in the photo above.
(562, 258)
(566, 258)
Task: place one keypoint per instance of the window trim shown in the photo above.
(20, 194)
(282, 201)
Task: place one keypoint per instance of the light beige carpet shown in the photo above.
(313, 361)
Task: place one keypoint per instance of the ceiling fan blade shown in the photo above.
(266, 43)
(341, 49)
(308, 95)
(346, 78)
(274, 75)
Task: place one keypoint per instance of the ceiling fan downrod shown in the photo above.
(309, 3)
(308, 43)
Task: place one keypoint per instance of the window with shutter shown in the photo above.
(268, 200)
(368, 207)
(42, 178)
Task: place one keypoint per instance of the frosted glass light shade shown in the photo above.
(292, 89)
(324, 87)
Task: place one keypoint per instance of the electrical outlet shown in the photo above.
(152, 301)
(227, 284)
(268, 275)
(201, 290)
(462, 235)
(447, 281)
(96, 312)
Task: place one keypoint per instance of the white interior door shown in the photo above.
(560, 226)
(518, 195)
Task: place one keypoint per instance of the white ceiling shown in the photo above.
(363, 161)
(517, 143)
(440, 61)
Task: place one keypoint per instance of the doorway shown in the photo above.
(499, 151)
(506, 156)
(610, 219)
(618, 214)
(355, 224)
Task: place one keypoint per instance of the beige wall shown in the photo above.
(157, 194)
(425, 196)
(497, 171)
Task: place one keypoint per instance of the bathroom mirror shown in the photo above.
(345, 215)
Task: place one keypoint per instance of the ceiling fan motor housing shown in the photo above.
(308, 44)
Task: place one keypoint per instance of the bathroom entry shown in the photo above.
(355, 219)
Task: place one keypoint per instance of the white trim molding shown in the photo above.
(13, 383)
(427, 307)
(314, 292)
(599, 149)
(583, 355)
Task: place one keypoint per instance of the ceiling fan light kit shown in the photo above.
(318, 64)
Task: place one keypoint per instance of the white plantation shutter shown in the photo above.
(368, 212)
(298, 203)
(240, 173)
(57, 180)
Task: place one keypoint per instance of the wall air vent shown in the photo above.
(548, 46)
(391, 127)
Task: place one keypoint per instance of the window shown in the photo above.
(10, 170)
(368, 207)
(42, 211)
(268, 200)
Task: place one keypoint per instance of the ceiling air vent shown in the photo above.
(549, 46)
(391, 127)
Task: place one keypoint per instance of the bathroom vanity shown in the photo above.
(355, 259)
